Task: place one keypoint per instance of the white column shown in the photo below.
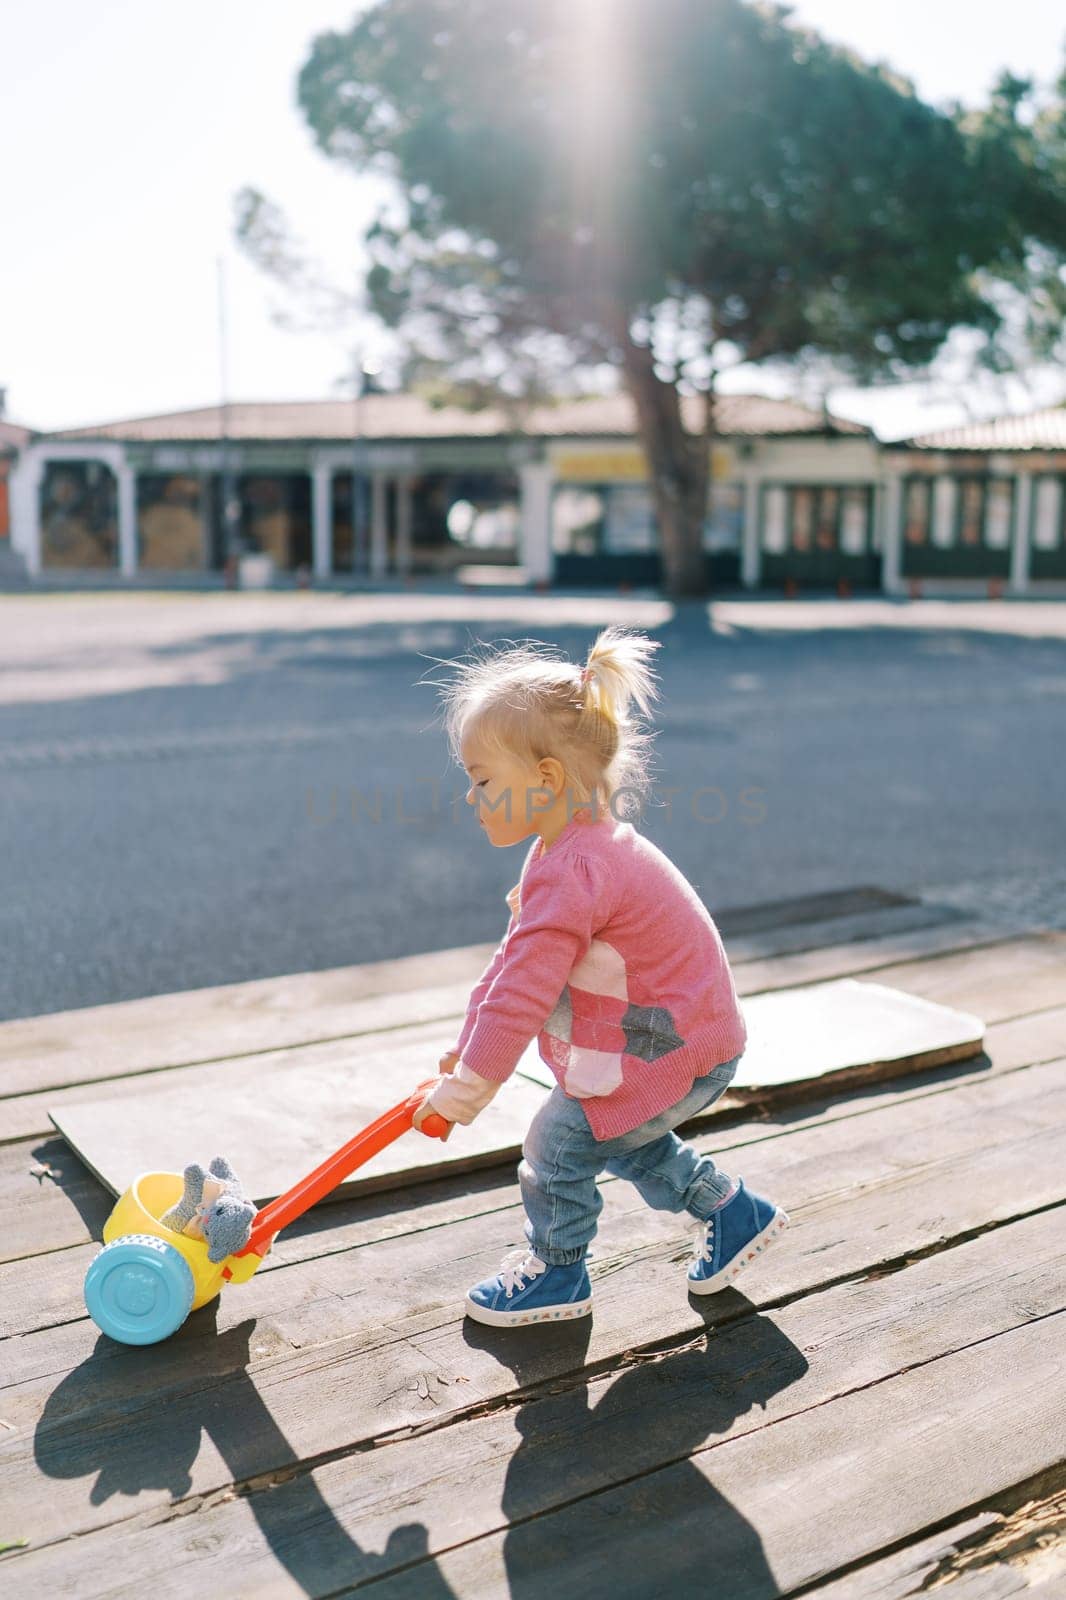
(378, 534)
(535, 532)
(127, 519)
(750, 557)
(322, 520)
(403, 524)
(891, 535)
(1019, 554)
(25, 489)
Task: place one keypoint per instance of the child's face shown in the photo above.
(510, 797)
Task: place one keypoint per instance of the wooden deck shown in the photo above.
(877, 1413)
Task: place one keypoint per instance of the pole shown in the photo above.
(359, 519)
(231, 506)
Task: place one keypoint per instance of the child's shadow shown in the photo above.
(662, 1527)
(137, 1417)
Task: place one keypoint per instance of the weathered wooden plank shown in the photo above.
(836, 1034)
(784, 1506)
(163, 1032)
(160, 1031)
(991, 1556)
(61, 1221)
(1022, 976)
(338, 1313)
(56, 1214)
(280, 1123)
(24, 1116)
(167, 1031)
(314, 1531)
(277, 1126)
(1030, 966)
(111, 1054)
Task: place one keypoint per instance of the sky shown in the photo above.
(128, 128)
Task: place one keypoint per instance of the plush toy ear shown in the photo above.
(186, 1208)
(195, 1177)
(221, 1168)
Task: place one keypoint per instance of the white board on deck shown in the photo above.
(811, 1033)
(276, 1120)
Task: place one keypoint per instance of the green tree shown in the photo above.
(667, 189)
(1022, 133)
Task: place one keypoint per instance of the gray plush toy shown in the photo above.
(213, 1207)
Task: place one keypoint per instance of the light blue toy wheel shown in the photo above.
(139, 1289)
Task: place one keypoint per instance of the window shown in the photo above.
(855, 519)
(79, 515)
(1049, 501)
(825, 536)
(817, 519)
(944, 498)
(775, 520)
(577, 520)
(171, 522)
(971, 506)
(630, 523)
(724, 525)
(802, 519)
(916, 507)
(999, 511)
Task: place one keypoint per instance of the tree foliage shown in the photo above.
(670, 188)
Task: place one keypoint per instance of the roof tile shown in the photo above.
(404, 416)
(1035, 430)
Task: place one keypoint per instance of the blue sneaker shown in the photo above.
(526, 1289)
(731, 1237)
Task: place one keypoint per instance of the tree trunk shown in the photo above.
(679, 466)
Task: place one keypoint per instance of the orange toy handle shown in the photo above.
(303, 1195)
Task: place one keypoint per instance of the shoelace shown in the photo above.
(517, 1267)
(702, 1239)
(703, 1231)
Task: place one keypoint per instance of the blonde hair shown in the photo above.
(526, 702)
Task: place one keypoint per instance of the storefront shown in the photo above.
(1047, 525)
(985, 502)
(603, 523)
(819, 536)
(796, 499)
(957, 524)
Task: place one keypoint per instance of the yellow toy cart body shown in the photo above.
(147, 1278)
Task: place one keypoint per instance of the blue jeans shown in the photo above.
(561, 1158)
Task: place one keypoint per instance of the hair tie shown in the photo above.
(584, 676)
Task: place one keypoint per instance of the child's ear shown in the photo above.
(551, 775)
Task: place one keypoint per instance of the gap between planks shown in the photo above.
(815, 1355)
(25, 1115)
(166, 1016)
(50, 1223)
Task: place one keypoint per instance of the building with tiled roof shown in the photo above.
(390, 485)
(404, 416)
(13, 441)
(984, 502)
(1032, 430)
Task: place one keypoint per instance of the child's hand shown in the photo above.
(426, 1110)
(449, 1061)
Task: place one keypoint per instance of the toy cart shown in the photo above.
(147, 1278)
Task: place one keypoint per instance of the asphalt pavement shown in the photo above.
(204, 787)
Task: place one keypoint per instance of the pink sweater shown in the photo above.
(614, 963)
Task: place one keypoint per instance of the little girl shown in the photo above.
(610, 960)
